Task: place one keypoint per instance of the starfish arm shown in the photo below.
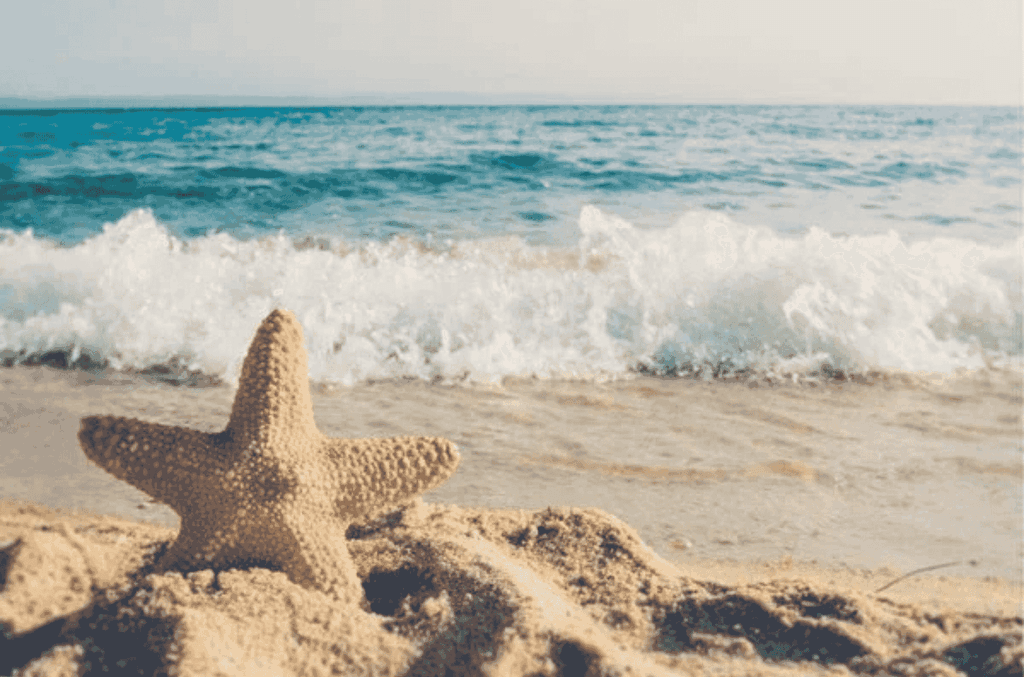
(273, 401)
(207, 539)
(319, 557)
(169, 463)
(375, 473)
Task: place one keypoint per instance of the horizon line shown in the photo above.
(374, 99)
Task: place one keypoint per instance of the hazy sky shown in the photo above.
(670, 51)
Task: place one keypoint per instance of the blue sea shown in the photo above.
(470, 244)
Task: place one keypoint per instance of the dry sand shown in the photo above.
(514, 587)
(452, 590)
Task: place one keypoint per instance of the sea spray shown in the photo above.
(707, 296)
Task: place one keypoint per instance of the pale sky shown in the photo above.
(630, 51)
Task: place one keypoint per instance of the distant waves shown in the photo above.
(374, 173)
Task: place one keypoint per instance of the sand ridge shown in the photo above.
(561, 591)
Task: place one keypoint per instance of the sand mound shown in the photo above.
(452, 590)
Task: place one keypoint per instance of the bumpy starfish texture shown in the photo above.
(271, 489)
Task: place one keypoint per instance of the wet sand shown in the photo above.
(903, 473)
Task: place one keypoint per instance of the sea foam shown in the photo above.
(707, 296)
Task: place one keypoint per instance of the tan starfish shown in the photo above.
(270, 489)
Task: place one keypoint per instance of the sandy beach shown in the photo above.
(645, 526)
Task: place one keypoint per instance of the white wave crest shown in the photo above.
(707, 296)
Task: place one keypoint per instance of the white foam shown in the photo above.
(707, 295)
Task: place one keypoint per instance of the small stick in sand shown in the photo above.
(972, 562)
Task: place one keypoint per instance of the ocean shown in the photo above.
(474, 244)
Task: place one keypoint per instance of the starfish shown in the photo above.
(271, 489)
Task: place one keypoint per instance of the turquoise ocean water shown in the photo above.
(474, 243)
